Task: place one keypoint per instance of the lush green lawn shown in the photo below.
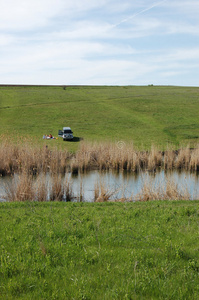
(99, 250)
(144, 115)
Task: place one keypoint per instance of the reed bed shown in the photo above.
(167, 190)
(21, 188)
(102, 193)
(25, 157)
(106, 156)
(42, 189)
(26, 187)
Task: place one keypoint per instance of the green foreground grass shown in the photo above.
(99, 250)
(146, 115)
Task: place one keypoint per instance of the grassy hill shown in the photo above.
(141, 250)
(142, 114)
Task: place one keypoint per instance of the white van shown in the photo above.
(66, 134)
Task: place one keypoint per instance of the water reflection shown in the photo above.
(128, 184)
(124, 184)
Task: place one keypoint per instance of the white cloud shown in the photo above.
(176, 55)
(186, 6)
(6, 39)
(26, 14)
(97, 42)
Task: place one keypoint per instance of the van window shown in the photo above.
(68, 131)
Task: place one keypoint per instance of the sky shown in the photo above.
(99, 42)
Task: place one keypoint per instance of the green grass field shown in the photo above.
(142, 250)
(99, 251)
(146, 115)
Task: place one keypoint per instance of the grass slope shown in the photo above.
(144, 115)
(99, 250)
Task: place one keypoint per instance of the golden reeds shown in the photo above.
(102, 193)
(25, 157)
(166, 190)
(29, 158)
(20, 188)
(105, 156)
(25, 187)
(41, 188)
(57, 191)
(150, 191)
(68, 190)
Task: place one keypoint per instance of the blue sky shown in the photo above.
(99, 42)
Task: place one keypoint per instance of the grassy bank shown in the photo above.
(99, 251)
(145, 115)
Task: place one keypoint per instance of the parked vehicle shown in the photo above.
(66, 133)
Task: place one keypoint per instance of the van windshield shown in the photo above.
(68, 131)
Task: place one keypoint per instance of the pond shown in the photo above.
(128, 185)
(125, 185)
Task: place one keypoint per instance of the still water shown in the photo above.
(121, 184)
(128, 185)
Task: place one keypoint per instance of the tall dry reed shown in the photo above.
(61, 189)
(21, 188)
(167, 190)
(26, 187)
(194, 160)
(105, 156)
(183, 158)
(25, 157)
(102, 193)
(68, 190)
(41, 188)
(57, 191)
(81, 191)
